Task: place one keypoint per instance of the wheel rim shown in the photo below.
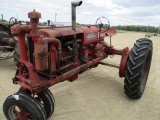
(39, 100)
(145, 72)
(19, 113)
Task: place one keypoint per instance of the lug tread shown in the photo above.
(135, 65)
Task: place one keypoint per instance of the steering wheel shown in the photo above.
(12, 21)
(100, 23)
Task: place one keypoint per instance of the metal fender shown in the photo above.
(123, 63)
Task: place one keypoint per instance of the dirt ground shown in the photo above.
(98, 93)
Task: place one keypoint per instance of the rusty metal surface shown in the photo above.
(30, 81)
(34, 14)
(56, 43)
(20, 29)
(34, 20)
(22, 47)
(123, 63)
(61, 53)
(59, 32)
(73, 72)
(73, 10)
(54, 62)
(99, 50)
(41, 57)
(111, 32)
(90, 34)
(53, 57)
(45, 60)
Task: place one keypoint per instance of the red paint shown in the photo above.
(91, 51)
(22, 47)
(123, 63)
(89, 31)
(111, 32)
(60, 54)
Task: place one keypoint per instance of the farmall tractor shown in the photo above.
(54, 55)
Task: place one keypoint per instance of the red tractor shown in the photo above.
(56, 54)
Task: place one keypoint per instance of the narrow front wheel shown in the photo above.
(23, 107)
(45, 98)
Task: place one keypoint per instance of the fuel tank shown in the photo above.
(88, 34)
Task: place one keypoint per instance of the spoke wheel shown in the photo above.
(24, 108)
(19, 113)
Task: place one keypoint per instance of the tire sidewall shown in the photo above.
(29, 105)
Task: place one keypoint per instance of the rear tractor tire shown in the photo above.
(138, 67)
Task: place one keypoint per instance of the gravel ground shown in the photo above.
(98, 93)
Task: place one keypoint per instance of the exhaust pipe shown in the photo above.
(74, 5)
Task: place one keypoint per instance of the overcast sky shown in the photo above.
(119, 12)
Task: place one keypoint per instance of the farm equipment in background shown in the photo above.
(56, 54)
(148, 35)
(7, 40)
